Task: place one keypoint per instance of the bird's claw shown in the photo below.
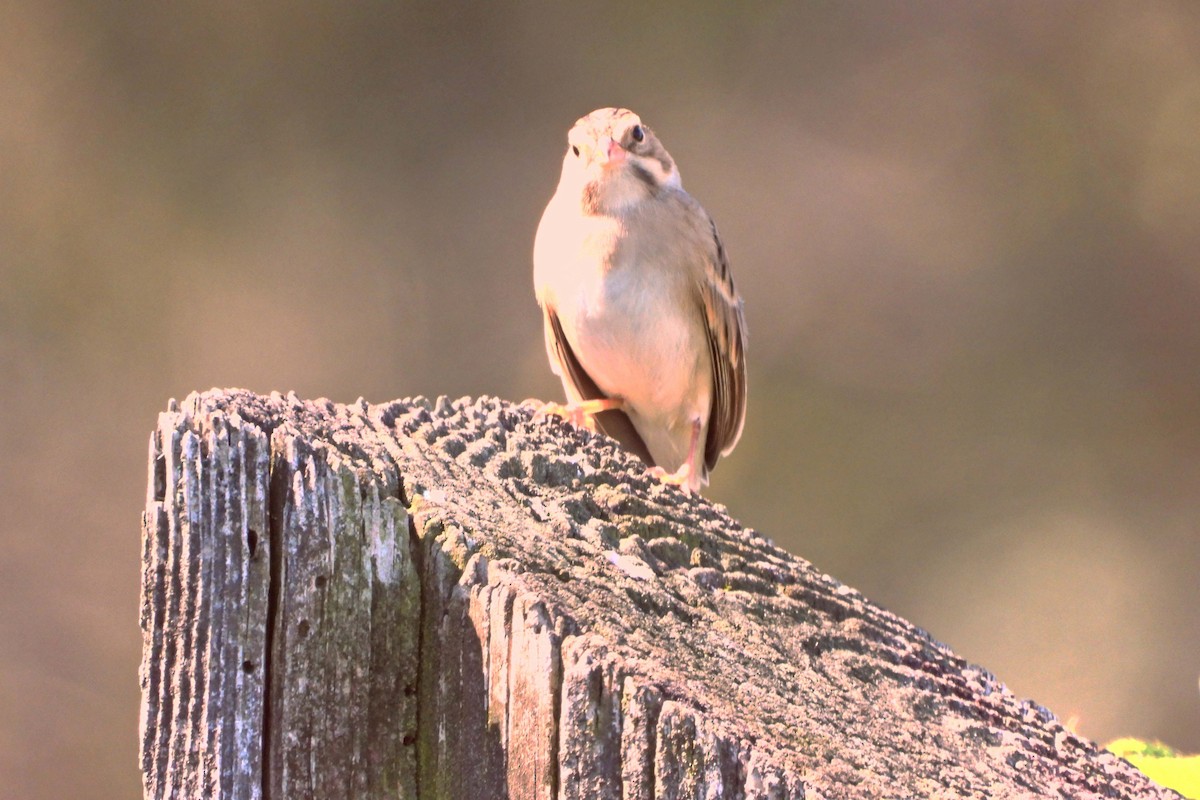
(582, 414)
(569, 413)
(681, 477)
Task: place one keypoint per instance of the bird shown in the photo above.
(643, 323)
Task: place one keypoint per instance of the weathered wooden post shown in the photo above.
(449, 600)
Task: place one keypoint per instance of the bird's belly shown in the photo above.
(638, 348)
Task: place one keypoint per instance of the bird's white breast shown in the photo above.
(632, 326)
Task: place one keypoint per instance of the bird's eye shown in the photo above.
(575, 149)
(637, 133)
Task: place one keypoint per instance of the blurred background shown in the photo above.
(967, 235)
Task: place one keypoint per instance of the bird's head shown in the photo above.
(615, 161)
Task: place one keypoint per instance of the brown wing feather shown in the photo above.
(614, 423)
(726, 327)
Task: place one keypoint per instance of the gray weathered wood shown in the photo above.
(456, 600)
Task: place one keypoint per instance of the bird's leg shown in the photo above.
(581, 414)
(686, 475)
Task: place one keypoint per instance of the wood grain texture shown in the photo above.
(455, 600)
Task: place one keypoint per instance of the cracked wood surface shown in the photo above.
(437, 599)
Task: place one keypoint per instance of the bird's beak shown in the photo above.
(616, 154)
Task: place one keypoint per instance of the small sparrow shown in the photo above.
(643, 323)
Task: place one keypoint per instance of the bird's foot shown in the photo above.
(581, 414)
(681, 477)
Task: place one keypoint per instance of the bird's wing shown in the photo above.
(614, 423)
(726, 328)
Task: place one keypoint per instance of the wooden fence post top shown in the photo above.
(521, 611)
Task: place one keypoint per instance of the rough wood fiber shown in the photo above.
(456, 600)
(205, 575)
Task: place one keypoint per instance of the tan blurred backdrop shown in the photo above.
(967, 235)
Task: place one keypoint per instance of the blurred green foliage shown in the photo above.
(1161, 764)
